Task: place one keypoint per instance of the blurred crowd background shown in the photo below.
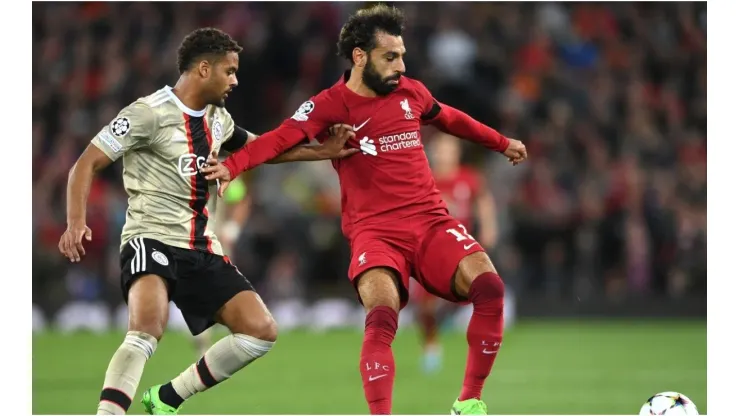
(609, 98)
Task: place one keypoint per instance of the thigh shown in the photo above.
(442, 247)
(206, 282)
(148, 306)
(372, 251)
(147, 279)
(144, 256)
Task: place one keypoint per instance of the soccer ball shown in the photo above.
(669, 403)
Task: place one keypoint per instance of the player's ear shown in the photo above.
(204, 68)
(359, 57)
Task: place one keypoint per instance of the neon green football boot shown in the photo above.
(469, 407)
(153, 405)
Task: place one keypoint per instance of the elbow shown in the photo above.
(83, 167)
(73, 170)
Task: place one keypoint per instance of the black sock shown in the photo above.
(169, 396)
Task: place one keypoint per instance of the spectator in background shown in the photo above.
(612, 97)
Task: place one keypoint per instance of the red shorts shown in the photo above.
(425, 247)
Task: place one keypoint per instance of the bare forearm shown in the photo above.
(303, 153)
(80, 178)
(78, 189)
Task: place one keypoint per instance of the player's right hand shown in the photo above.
(516, 152)
(70, 245)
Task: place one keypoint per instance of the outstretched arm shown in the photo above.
(331, 148)
(249, 152)
(455, 122)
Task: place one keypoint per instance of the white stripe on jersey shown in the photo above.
(159, 99)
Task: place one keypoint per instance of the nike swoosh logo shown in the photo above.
(356, 128)
(467, 246)
(373, 378)
(489, 352)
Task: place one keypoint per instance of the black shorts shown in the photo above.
(199, 283)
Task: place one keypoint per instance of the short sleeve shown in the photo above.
(316, 115)
(228, 126)
(132, 128)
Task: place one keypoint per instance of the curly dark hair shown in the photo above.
(361, 28)
(204, 41)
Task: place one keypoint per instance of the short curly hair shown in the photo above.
(201, 42)
(361, 28)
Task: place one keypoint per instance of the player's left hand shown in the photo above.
(217, 171)
(333, 147)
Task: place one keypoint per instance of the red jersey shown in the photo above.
(459, 192)
(390, 178)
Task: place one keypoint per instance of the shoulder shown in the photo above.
(417, 89)
(156, 107)
(323, 103)
(414, 85)
(220, 113)
(155, 99)
(138, 116)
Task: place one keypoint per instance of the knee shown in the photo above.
(264, 328)
(372, 304)
(269, 330)
(487, 288)
(381, 325)
(152, 327)
(379, 288)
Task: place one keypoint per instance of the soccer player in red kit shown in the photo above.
(392, 213)
(468, 200)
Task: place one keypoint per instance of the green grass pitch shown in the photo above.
(545, 367)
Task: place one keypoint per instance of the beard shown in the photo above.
(376, 82)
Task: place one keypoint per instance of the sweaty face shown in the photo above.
(222, 79)
(384, 65)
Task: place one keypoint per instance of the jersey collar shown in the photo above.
(185, 109)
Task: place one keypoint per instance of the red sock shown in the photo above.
(376, 359)
(485, 332)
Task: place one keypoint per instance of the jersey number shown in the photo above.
(460, 236)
